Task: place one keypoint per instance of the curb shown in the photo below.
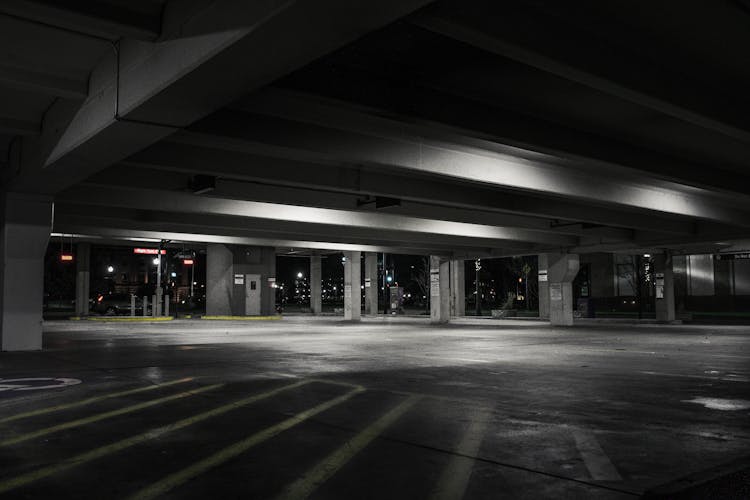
(125, 319)
(241, 318)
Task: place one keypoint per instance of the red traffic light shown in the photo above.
(187, 262)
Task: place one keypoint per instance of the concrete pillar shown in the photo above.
(561, 271)
(352, 284)
(316, 285)
(219, 276)
(543, 286)
(664, 281)
(83, 278)
(371, 283)
(26, 224)
(439, 290)
(457, 288)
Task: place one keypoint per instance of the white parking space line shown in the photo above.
(597, 462)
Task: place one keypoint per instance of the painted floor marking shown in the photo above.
(597, 462)
(327, 467)
(455, 477)
(88, 456)
(733, 378)
(102, 416)
(720, 403)
(180, 477)
(83, 402)
(22, 384)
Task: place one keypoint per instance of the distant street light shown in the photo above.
(110, 269)
(299, 275)
(156, 261)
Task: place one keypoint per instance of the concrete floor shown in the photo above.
(390, 408)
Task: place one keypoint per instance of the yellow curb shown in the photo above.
(242, 318)
(128, 319)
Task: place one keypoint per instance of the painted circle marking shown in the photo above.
(36, 383)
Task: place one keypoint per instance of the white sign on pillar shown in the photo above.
(435, 282)
(542, 275)
(659, 285)
(555, 291)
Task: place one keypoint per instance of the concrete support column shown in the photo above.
(26, 224)
(457, 288)
(371, 283)
(561, 271)
(316, 288)
(219, 284)
(543, 286)
(83, 278)
(352, 284)
(439, 290)
(664, 281)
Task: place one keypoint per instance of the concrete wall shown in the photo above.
(700, 274)
(223, 296)
(601, 282)
(741, 277)
(701, 282)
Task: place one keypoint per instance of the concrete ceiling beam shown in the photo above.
(146, 91)
(199, 154)
(585, 61)
(136, 20)
(184, 203)
(383, 142)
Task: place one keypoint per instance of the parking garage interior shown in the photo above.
(393, 249)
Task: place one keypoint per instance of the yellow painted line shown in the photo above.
(126, 443)
(83, 402)
(178, 478)
(242, 318)
(129, 319)
(102, 416)
(456, 475)
(304, 487)
(597, 462)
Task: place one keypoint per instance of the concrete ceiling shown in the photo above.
(466, 128)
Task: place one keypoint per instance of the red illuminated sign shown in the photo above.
(148, 251)
(188, 262)
(66, 257)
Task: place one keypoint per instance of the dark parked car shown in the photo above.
(113, 304)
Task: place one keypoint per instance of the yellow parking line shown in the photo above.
(129, 319)
(456, 475)
(303, 487)
(218, 458)
(101, 416)
(241, 318)
(87, 401)
(102, 451)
